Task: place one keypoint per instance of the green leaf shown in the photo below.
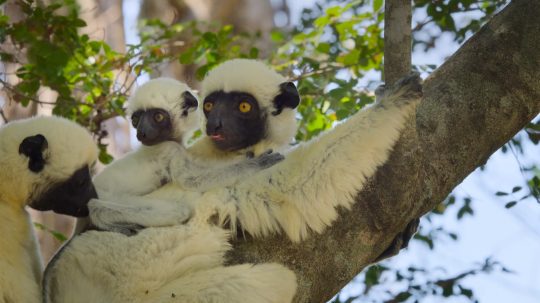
(254, 53)
(510, 204)
(373, 274)
(277, 36)
(322, 21)
(448, 289)
(334, 11)
(201, 72)
(323, 48)
(187, 57)
(500, 193)
(104, 157)
(516, 189)
(377, 4)
(351, 58)
(6, 57)
(210, 39)
(466, 292)
(57, 235)
(403, 296)
(79, 23)
(427, 240)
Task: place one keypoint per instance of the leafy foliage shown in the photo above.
(413, 284)
(448, 16)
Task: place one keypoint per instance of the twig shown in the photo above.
(3, 115)
(12, 89)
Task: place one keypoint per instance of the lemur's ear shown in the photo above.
(33, 147)
(189, 100)
(288, 97)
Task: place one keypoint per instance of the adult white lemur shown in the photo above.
(191, 255)
(45, 164)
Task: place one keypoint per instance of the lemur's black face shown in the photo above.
(235, 119)
(155, 125)
(69, 197)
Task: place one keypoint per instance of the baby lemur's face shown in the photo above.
(156, 125)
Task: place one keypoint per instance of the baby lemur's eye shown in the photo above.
(135, 120)
(244, 107)
(159, 117)
(208, 106)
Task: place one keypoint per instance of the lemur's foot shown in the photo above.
(400, 241)
(405, 91)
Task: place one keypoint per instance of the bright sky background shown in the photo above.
(511, 237)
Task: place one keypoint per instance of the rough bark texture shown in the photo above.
(397, 39)
(473, 104)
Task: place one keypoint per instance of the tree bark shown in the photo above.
(397, 39)
(474, 103)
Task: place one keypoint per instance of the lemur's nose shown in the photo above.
(218, 126)
(213, 126)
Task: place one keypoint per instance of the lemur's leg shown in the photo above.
(195, 175)
(139, 212)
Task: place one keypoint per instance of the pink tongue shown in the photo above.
(217, 137)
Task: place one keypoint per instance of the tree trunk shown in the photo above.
(474, 103)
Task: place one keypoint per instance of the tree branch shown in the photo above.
(397, 39)
(474, 103)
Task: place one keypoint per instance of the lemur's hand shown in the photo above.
(268, 158)
(405, 91)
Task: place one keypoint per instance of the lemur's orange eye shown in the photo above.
(244, 107)
(159, 117)
(208, 106)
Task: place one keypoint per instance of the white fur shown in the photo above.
(70, 147)
(175, 264)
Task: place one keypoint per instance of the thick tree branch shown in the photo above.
(397, 39)
(481, 97)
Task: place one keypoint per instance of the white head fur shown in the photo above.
(69, 147)
(259, 80)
